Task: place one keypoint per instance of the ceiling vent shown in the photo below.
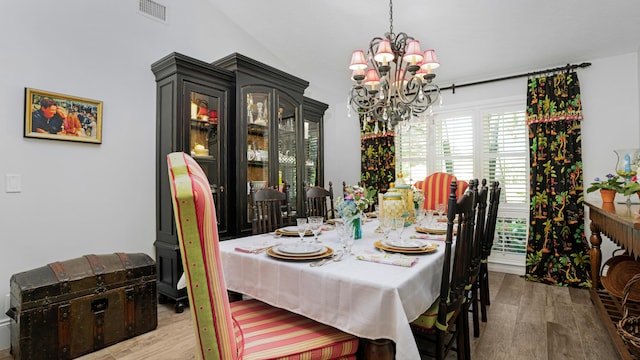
(153, 9)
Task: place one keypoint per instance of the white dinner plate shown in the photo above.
(407, 244)
(299, 249)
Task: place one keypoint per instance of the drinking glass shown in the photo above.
(303, 226)
(419, 215)
(429, 218)
(349, 239)
(441, 208)
(315, 224)
(385, 226)
(341, 231)
(397, 226)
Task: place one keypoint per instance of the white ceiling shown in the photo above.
(474, 39)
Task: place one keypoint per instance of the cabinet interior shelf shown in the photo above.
(256, 129)
(258, 163)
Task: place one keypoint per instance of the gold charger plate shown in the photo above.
(431, 231)
(425, 250)
(285, 232)
(273, 254)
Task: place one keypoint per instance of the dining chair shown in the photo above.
(445, 324)
(316, 198)
(246, 329)
(270, 209)
(489, 231)
(476, 251)
(435, 188)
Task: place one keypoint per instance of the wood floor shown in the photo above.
(522, 325)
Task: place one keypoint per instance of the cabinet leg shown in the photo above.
(179, 306)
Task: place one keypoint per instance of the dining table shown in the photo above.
(356, 294)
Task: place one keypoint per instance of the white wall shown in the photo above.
(82, 198)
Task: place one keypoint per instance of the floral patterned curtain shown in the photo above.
(557, 250)
(378, 158)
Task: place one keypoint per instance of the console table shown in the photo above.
(621, 224)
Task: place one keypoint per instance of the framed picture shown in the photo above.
(62, 117)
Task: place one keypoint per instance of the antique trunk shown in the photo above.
(70, 308)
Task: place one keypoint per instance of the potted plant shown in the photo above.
(632, 187)
(608, 187)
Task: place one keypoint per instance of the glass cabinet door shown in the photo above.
(287, 148)
(311, 151)
(257, 117)
(204, 143)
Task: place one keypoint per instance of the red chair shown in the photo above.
(248, 329)
(435, 188)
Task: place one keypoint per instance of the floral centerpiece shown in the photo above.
(418, 198)
(351, 205)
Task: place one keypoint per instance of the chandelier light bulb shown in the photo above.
(384, 55)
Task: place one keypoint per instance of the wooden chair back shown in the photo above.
(479, 236)
(270, 209)
(487, 245)
(476, 250)
(455, 273)
(316, 199)
(492, 216)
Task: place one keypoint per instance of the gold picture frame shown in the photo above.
(50, 115)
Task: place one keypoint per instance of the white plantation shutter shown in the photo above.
(454, 148)
(505, 145)
(484, 142)
(504, 154)
(412, 150)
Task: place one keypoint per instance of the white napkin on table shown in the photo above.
(429, 237)
(257, 248)
(390, 259)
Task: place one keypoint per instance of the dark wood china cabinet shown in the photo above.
(245, 123)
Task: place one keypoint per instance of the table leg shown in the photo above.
(595, 254)
(381, 349)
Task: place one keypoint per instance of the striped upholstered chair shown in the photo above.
(247, 329)
(435, 188)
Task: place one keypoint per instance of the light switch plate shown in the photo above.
(13, 183)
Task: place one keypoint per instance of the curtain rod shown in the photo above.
(568, 67)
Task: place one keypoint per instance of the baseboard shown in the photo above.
(507, 268)
(5, 333)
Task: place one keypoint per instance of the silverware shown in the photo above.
(335, 257)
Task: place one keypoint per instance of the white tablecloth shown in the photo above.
(366, 299)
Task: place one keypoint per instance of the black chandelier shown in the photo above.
(394, 81)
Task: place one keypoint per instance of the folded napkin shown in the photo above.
(390, 259)
(182, 283)
(429, 237)
(256, 248)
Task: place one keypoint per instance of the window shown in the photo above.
(484, 141)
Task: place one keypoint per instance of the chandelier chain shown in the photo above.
(390, 16)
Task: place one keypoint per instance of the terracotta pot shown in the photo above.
(607, 195)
